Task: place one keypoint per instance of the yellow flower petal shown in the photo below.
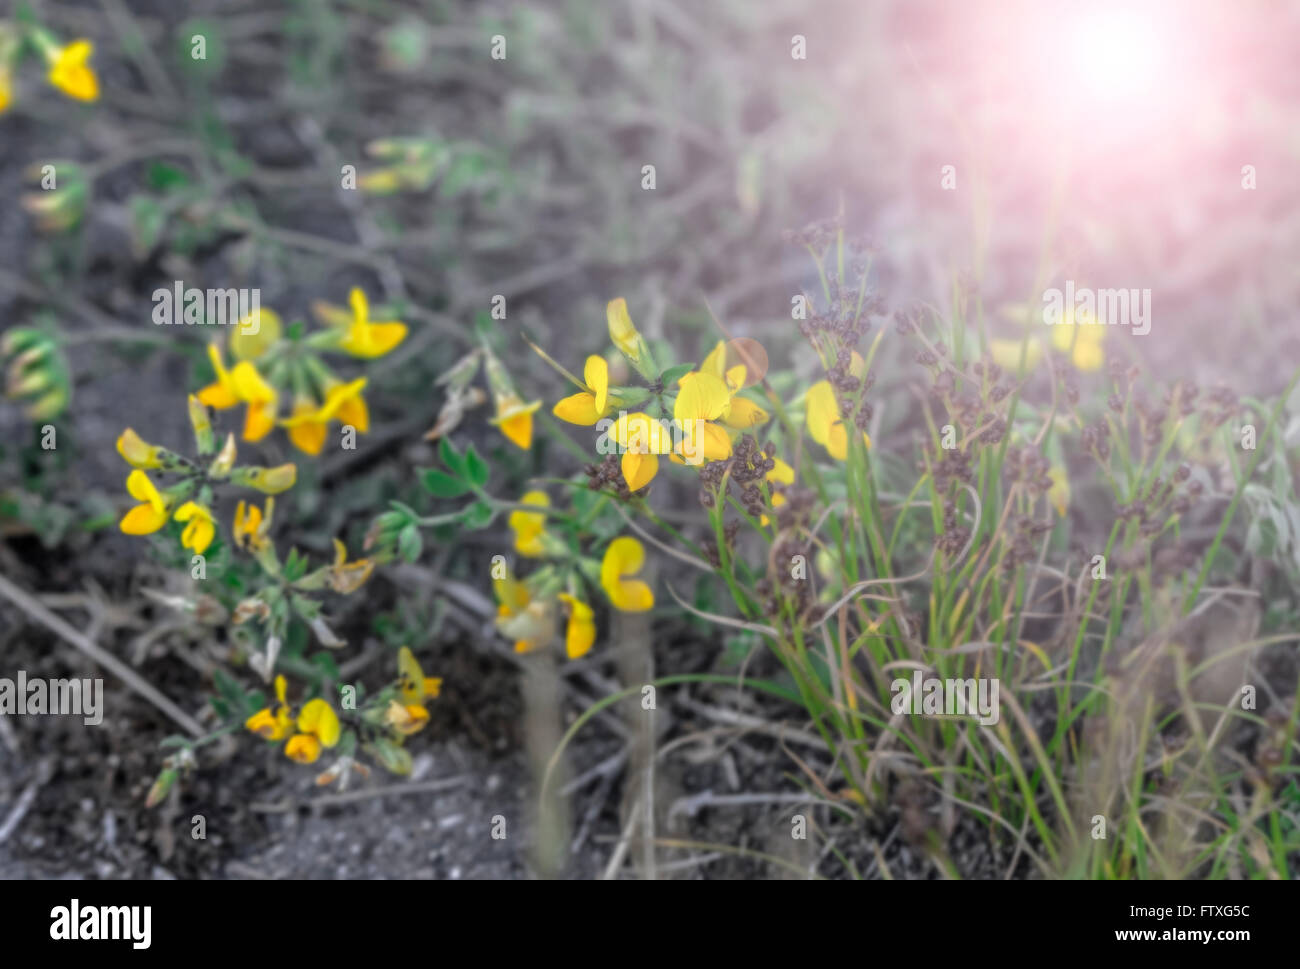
(137, 452)
(700, 396)
(744, 414)
(142, 520)
(781, 473)
(639, 432)
(303, 748)
(716, 362)
(1059, 493)
(823, 411)
(529, 526)
(139, 487)
(259, 421)
(1088, 355)
(623, 558)
(518, 430)
(318, 718)
(596, 373)
(354, 411)
(639, 469)
(622, 332)
(578, 409)
(581, 630)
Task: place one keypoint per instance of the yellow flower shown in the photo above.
(581, 630)
(740, 412)
(702, 398)
(319, 726)
(592, 404)
(309, 423)
(256, 333)
(515, 420)
(137, 453)
(407, 719)
(530, 526)
(1006, 354)
(201, 529)
(6, 87)
(514, 417)
(622, 331)
(347, 577)
(825, 423)
(527, 621)
(1059, 494)
(250, 528)
(242, 384)
(623, 559)
(1085, 348)
(415, 687)
(364, 338)
(146, 518)
(269, 481)
(781, 474)
(272, 725)
(70, 73)
(641, 439)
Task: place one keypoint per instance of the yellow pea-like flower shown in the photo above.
(70, 72)
(415, 687)
(269, 724)
(308, 423)
(151, 514)
(319, 727)
(622, 331)
(367, 339)
(623, 560)
(781, 474)
(1058, 495)
(137, 452)
(825, 423)
(250, 526)
(1080, 335)
(200, 528)
(269, 481)
(406, 719)
(243, 384)
(347, 577)
(642, 439)
(581, 630)
(589, 406)
(530, 526)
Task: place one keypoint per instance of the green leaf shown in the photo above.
(443, 485)
(478, 515)
(409, 543)
(673, 374)
(451, 457)
(476, 469)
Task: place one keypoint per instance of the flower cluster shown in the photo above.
(528, 610)
(380, 726)
(274, 364)
(189, 500)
